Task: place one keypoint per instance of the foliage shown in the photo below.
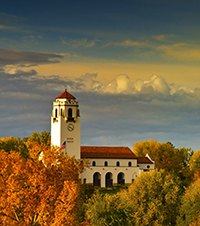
(190, 208)
(42, 138)
(155, 198)
(195, 164)
(9, 144)
(165, 155)
(34, 192)
(109, 210)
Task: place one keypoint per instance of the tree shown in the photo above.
(42, 138)
(155, 199)
(112, 210)
(190, 208)
(9, 144)
(35, 192)
(195, 164)
(165, 155)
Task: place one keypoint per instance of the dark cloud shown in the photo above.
(11, 56)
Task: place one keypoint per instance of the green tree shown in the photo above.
(155, 199)
(112, 210)
(42, 138)
(190, 208)
(9, 144)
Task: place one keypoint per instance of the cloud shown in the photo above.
(128, 43)
(10, 57)
(164, 38)
(120, 112)
(80, 43)
(121, 84)
(181, 51)
(154, 88)
(4, 27)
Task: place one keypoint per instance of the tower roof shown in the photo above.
(65, 95)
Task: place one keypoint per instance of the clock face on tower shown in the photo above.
(70, 127)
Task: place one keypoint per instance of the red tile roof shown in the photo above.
(144, 160)
(107, 152)
(65, 95)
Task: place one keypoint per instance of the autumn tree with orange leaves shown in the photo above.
(39, 192)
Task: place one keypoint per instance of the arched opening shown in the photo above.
(105, 163)
(117, 163)
(97, 179)
(120, 178)
(56, 112)
(109, 180)
(70, 113)
(61, 112)
(93, 163)
(129, 164)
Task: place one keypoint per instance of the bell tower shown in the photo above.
(65, 124)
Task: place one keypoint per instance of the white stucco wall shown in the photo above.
(59, 127)
(130, 173)
(113, 162)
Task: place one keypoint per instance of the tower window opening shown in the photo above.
(93, 163)
(105, 163)
(117, 163)
(70, 113)
(129, 164)
(56, 112)
(61, 112)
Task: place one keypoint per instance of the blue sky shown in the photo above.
(132, 65)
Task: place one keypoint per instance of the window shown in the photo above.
(70, 113)
(61, 112)
(93, 163)
(56, 112)
(105, 163)
(148, 167)
(117, 163)
(129, 164)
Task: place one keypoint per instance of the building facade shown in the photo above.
(108, 165)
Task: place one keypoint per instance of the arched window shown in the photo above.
(105, 163)
(117, 163)
(129, 164)
(56, 112)
(121, 178)
(70, 113)
(97, 179)
(93, 163)
(109, 179)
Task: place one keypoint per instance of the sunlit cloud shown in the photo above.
(128, 43)
(181, 51)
